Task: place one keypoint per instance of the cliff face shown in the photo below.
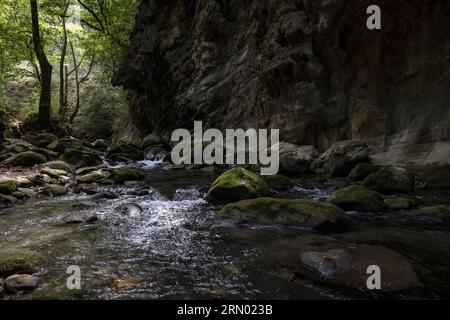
(308, 67)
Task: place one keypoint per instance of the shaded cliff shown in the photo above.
(310, 68)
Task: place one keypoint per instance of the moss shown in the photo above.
(358, 198)
(91, 177)
(362, 170)
(81, 158)
(127, 149)
(299, 212)
(398, 203)
(44, 139)
(8, 186)
(126, 174)
(54, 173)
(391, 180)
(26, 159)
(58, 165)
(442, 211)
(18, 261)
(277, 182)
(65, 143)
(55, 190)
(237, 184)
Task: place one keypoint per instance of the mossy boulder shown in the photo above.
(100, 145)
(26, 159)
(278, 182)
(129, 150)
(65, 143)
(156, 153)
(53, 173)
(93, 176)
(441, 211)
(390, 180)
(126, 174)
(358, 198)
(8, 186)
(58, 165)
(46, 153)
(42, 140)
(362, 170)
(18, 260)
(80, 158)
(399, 203)
(120, 157)
(83, 171)
(306, 213)
(55, 190)
(237, 184)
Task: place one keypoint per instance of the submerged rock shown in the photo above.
(237, 184)
(358, 198)
(18, 260)
(391, 179)
(86, 188)
(126, 174)
(7, 201)
(314, 215)
(26, 159)
(129, 209)
(21, 283)
(81, 218)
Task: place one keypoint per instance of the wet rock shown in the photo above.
(126, 174)
(293, 167)
(348, 267)
(129, 209)
(19, 195)
(46, 153)
(341, 158)
(314, 215)
(80, 158)
(30, 193)
(39, 179)
(53, 173)
(398, 203)
(105, 195)
(81, 218)
(86, 188)
(42, 140)
(391, 179)
(7, 201)
(124, 148)
(92, 177)
(157, 153)
(434, 177)
(58, 165)
(358, 198)
(362, 170)
(278, 182)
(21, 283)
(18, 260)
(100, 145)
(26, 159)
(120, 158)
(8, 186)
(83, 171)
(65, 143)
(87, 205)
(152, 139)
(237, 184)
(23, 183)
(55, 190)
(441, 211)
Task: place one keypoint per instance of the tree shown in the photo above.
(44, 114)
(62, 94)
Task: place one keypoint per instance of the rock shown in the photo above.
(21, 283)
(293, 167)
(156, 153)
(152, 139)
(55, 190)
(398, 203)
(81, 158)
(92, 177)
(341, 158)
(358, 198)
(86, 188)
(237, 184)
(441, 211)
(278, 182)
(53, 173)
(19, 195)
(105, 195)
(39, 179)
(30, 193)
(126, 174)
(8, 186)
(46, 153)
(434, 177)
(18, 260)
(81, 218)
(129, 209)
(100, 145)
(42, 140)
(26, 159)
(7, 201)
(120, 158)
(83, 171)
(314, 215)
(58, 165)
(123, 148)
(362, 170)
(391, 180)
(23, 183)
(65, 143)
(348, 267)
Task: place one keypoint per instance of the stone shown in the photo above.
(293, 167)
(81, 218)
(7, 201)
(129, 209)
(126, 174)
(362, 170)
(80, 158)
(441, 211)
(46, 153)
(86, 205)
(18, 260)
(152, 139)
(83, 171)
(92, 177)
(156, 153)
(100, 144)
(105, 195)
(65, 143)
(86, 188)
(30, 193)
(237, 184)
(58, 165)
(399, 203)
(129, 150)
(358, 198)
(42, 140)
(21, 283)
(278, 182)
(7, 187)
(55, 190)
(53, 173)
(26, 159)
(19, 195)
(306, 213)
(390, 180)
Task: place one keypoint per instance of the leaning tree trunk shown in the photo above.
(46, 72)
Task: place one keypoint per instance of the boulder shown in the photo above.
(65, 143)
(21, 283)
(362, 170)
(83, 171)
(156, 153)
(80, 158)
(124, 148)
(86, 188)
(129, 209)
(152, 139)
(55, 190)
(46, 153)
(18, 260)
(100, 145)
(58, 165)
(126, 174)
(434, 177)
(278, 182)
(42, 140)
(7, 201)
(358, 198)
(7, 186)
(399, 203)
(53, 173)
(298, 212)
(92, 176)
(27, 191)
(19, 195)
(341, 158)
(120, 157)
(81, 218)
(294, 159)
(293, 167)
(237, 184)
(26, 159)
(441, 211)
(390, 180)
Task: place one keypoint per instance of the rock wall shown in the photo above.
(308, 67)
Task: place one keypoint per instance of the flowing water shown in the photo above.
(176, 248)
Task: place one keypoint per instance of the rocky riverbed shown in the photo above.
(140, 227)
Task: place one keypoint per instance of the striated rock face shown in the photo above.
(308, 67)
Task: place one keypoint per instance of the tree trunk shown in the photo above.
(62, 105)
(77, 84)
(46, 72)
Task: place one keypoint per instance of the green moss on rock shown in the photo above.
(391, 180)
(278, 182)
(8, 186)
(18, 261)
(126, 174)
(362, 170)
(398, 203)
(358, 198)
(26, 159)
(80, 158)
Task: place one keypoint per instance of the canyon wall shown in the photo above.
(308, 67)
